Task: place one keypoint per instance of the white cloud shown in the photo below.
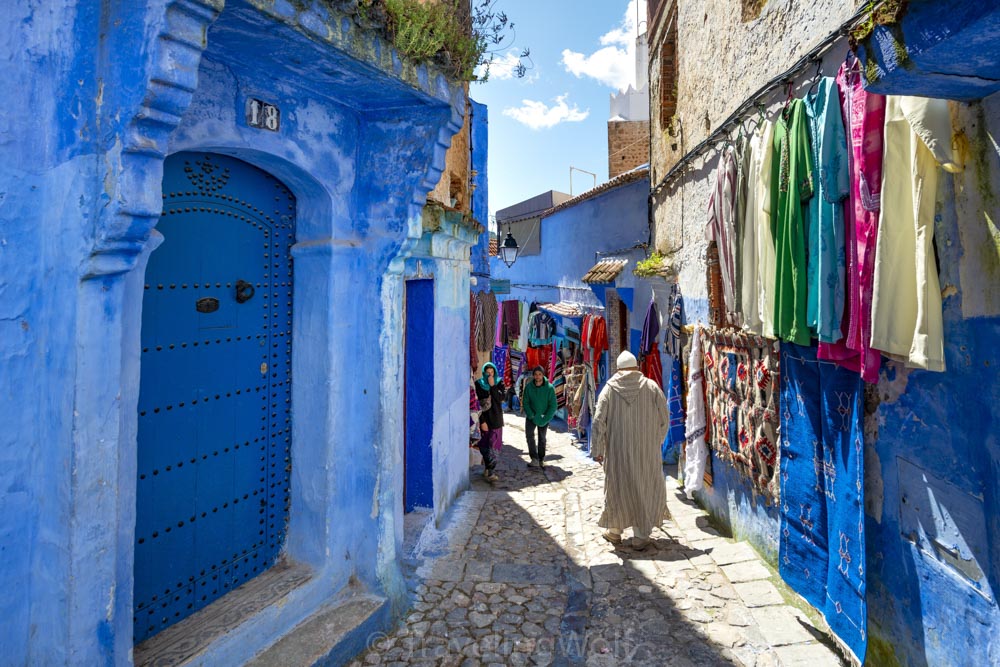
(538, 115)
(614, 64)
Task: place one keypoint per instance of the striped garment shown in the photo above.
(486, 321)
(722, 229)
(672, 339)
(628, 430)
(472, 330)
(695, 451)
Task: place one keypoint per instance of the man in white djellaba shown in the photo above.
(629, 426)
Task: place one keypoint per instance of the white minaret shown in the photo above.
(633, 103)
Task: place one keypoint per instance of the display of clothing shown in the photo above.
(594, 340)
(652, 366)
(751, 212)
(906, 294)
(722, 229)
(511, 320)
(765, 239)
(539, 356)
(825, 238)
(695, 425)
(473, 317)
(650, 329)
(792, 174)
(486, 321)
(864, 114)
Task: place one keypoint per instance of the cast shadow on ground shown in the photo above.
(524, 581)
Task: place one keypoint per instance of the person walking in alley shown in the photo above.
(491, 392)
(629, 426)
(539, 398)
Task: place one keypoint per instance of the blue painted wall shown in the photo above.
(932, 459)
(940, 48)
(419, 393)
(480, 193)
(570, 239)
(109, 89)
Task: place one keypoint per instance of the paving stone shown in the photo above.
(807, 655)
(780, 626)
(749, 571)
(758, 593)
(518, 574)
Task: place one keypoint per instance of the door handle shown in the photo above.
(244, 291)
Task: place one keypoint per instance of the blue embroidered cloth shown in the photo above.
(675, 404)
(822, 547)
(674, 441)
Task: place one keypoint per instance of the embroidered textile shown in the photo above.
(500, 361)
(695, 451)
(822, 546)
(741, 380)
(675, 404)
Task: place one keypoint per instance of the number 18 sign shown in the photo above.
(262, 115)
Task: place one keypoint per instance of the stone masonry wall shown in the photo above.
(628, 145)
(921, 609)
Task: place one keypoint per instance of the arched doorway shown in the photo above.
(214, 433)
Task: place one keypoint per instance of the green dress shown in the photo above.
(791, 189)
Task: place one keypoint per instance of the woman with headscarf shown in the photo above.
(491, 392)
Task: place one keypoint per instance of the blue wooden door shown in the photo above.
(215, 391)
(418, 397)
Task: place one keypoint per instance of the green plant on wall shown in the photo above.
(460, 37)
(652, 266)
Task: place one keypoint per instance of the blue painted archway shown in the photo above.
(214, 433)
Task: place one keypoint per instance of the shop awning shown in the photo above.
(605, 271)
(563, 309)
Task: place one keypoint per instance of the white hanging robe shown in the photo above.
(628, 431)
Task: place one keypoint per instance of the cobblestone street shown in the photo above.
(520, 575)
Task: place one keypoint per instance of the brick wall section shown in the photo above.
(628, 145)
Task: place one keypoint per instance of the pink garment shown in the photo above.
(864, 115)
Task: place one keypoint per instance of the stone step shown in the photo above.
(331, 636)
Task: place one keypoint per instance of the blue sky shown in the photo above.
(556, 116)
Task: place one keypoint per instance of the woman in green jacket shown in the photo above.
(539, 399)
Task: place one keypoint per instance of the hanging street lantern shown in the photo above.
(509, 250)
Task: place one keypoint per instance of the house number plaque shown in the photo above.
(262, 115)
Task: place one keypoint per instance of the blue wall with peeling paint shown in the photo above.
(932, 459)
(480, 192)
(106, 91)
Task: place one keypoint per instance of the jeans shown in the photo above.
(487, 450)
(537, 453)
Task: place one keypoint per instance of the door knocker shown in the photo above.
(244, 291)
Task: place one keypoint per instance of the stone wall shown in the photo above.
(628, 145)
(928, 435)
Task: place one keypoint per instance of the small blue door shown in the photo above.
(214, 438)
(418, 395)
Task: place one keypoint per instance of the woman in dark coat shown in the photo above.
(491, 392)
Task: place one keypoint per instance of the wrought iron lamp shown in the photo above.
(509, 250)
